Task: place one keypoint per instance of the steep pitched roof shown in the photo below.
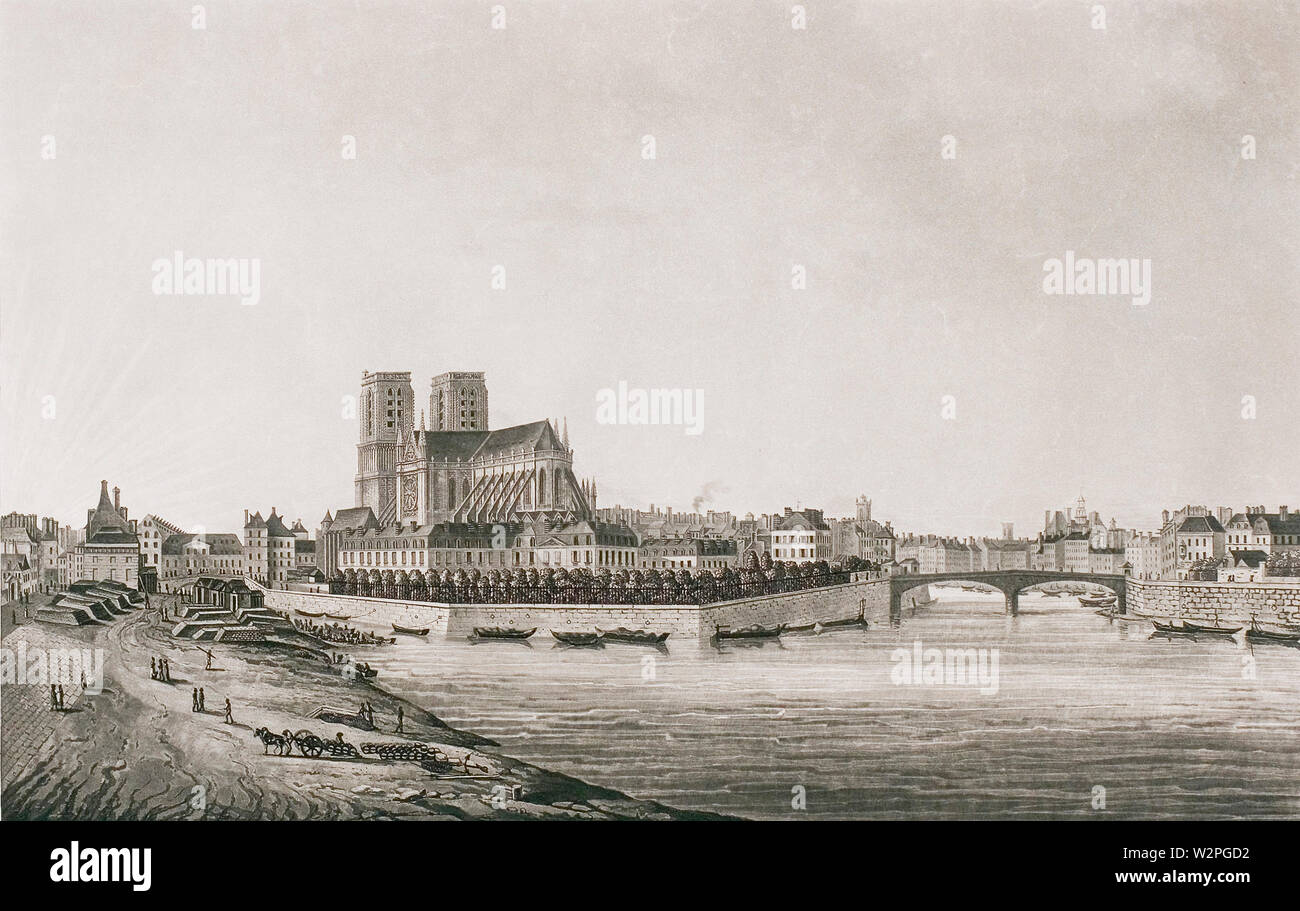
(106, 525)
(355, 517)
(469, 444)
(275, 527)
(1201, 525)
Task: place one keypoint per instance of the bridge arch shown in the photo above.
(1010, 582)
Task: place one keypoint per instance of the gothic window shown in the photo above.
(451, 492)
(541, 486)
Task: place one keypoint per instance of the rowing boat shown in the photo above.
(577, 638)
(307, 613)
(496, 632)
(752, 632)
(1258, 634)
(410, 631)
(622, 634)
(1194, 629)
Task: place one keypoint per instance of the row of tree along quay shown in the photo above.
(759, 576)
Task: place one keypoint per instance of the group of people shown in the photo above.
(159, 669)
(200, 706)
(337, 632)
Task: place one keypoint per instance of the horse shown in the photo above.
(280, 742)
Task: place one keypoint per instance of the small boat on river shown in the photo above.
(581, 639)
(496, 632)
(410, 631)
(1193, 629)
(1097, 600)
(638, 636)
(307, 613)
(1257, 633)
(751, 632)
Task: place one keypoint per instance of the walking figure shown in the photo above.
(153, 669)
(54, 698)
(195, 698)
(208, 666)
(200, 699)
(399, 720)
(230, 719)
(166, 670)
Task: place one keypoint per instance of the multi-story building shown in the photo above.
(802, 535)
(153, 532)
(367, 547)
(1270, 532)
(204, 554)
(268, 549)
(19, 578)
(1191, 535)
(688, 553)
(111, 549)
(1142, 553)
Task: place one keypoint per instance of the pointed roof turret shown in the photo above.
(328, 520)
(275, 526)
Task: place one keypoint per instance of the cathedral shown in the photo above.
(460, 471)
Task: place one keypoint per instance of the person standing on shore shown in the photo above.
(54, 698)
(195, 699)
(230, 719)
(60, 697)
(153, 669)
(200, 699)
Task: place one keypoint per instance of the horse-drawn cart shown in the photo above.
(311, 745)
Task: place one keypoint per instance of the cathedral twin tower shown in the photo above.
(459, 471)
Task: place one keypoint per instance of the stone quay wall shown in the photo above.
(868, 598)
(1275, 602)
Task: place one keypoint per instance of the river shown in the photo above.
(1090, 717)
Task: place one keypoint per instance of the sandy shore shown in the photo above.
(138, 751)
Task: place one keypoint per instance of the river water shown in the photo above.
(1090, 717)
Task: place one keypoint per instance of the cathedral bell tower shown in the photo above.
(385, 412)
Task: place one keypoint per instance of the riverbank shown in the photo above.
(138, 751)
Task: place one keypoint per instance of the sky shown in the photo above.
(127, 134)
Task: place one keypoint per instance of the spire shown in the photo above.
(421, 420)
(566, 432)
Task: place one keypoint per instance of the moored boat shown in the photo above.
(496, 632)
(1257, 633)
(307, 613)
(339, 616)
(751, 632)
(622, 634)
(410, 631)
(1097, 600)
(577, 638)
(1213, 630)
(1195, 629)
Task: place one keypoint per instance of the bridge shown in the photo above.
(1011, 582)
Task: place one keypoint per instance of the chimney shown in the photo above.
(1282, 512)
(117, 498)
(1164, 517)
(245, 516)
